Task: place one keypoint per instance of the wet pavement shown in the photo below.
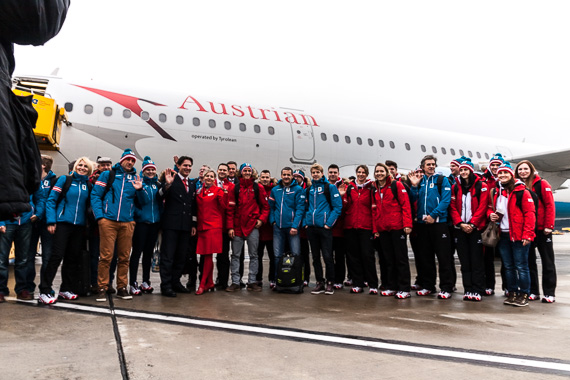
(263, 335)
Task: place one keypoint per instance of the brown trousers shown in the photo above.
(121, 232)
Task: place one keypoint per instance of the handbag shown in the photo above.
(491, 235)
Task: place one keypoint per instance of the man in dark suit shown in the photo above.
(178, 224)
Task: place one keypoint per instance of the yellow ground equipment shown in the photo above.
(50, 119)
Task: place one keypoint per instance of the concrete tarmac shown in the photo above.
(222, 335)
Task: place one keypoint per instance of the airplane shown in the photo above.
(105, 120)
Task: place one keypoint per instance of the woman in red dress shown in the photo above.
(212, 204)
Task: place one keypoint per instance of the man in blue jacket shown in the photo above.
(287, 208)
(324, 206)
(433, 195)
(113, 203)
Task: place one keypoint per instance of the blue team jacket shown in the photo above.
(119, 202)
(73, 207)
(287, 205)
(430, 201)
(319, 212)
(41, 196)
(150, 211)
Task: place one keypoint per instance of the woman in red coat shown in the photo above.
(357, 202)
(212, 204)
(526, 171)
(513, 209)
(392, 222)
(469, 203)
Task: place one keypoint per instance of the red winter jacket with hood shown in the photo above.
(478, 206)
(391, 213)
(521, 219)
(247, 210)
(358, 204)
(546, 209)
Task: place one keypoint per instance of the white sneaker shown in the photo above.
(146, 288)
(388, 293)
(416, 287)
(423, 292)
(548, 299)
(338, 286)
(533, 297)
(475, 297)
(444, 295)
(489, 291)
(68, 295)
(403, 295)
(135, 290)
(373, 291)
(46, 299)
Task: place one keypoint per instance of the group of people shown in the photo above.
(339, 222)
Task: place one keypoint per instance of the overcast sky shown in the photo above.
(486, 67)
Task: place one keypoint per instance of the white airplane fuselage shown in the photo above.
(161, 124)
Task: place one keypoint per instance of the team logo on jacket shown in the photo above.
(84, 187)
(46, 183)
(444, 236)
(319, 189)
(154, 187)
(129, 176)
(479, 241)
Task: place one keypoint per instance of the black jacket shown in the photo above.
(24, 23)
(179, 205)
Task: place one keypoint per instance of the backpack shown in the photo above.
(519, 196)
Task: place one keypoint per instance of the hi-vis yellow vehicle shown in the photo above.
(50, 115)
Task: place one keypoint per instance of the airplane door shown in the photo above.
(303, 144)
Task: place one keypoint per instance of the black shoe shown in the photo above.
(191, 286)
(111, 290)
(180, 288)
(168, 293)
(242, 285)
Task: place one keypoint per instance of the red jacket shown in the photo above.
(212, 205)
(489, 179)
(358, 205)
(266, 230)
(478, 206)
(391, 213)
(546, 209)
(521, 222)
(247, 210)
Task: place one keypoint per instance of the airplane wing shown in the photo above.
(554, 166)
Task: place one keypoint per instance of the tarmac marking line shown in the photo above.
(493, 359)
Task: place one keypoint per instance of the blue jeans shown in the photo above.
(515, 261)
(21, 236)
(279, 237)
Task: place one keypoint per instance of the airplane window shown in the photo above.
(179, 119)
(88, 109)
(443, 150)
(212, 123)
(324, 136)
(127, 113)
(68, 107)
(227, 125)
(370, 142)
(461, 152)
(271, 130)
(478, 155)
(487, 156)
(423, 148)
(392, 145)
(452, 151)
(335, 138)
(108, 111)
(196, 122)
(470, 154)
(381, 142)
(359, 141)
(256, 128)
(145, 116)
(408, 146)
(347, 139)
(434, 149)
(162, 118)
(242, 127)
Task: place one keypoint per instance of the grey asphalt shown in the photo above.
(279, 336)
